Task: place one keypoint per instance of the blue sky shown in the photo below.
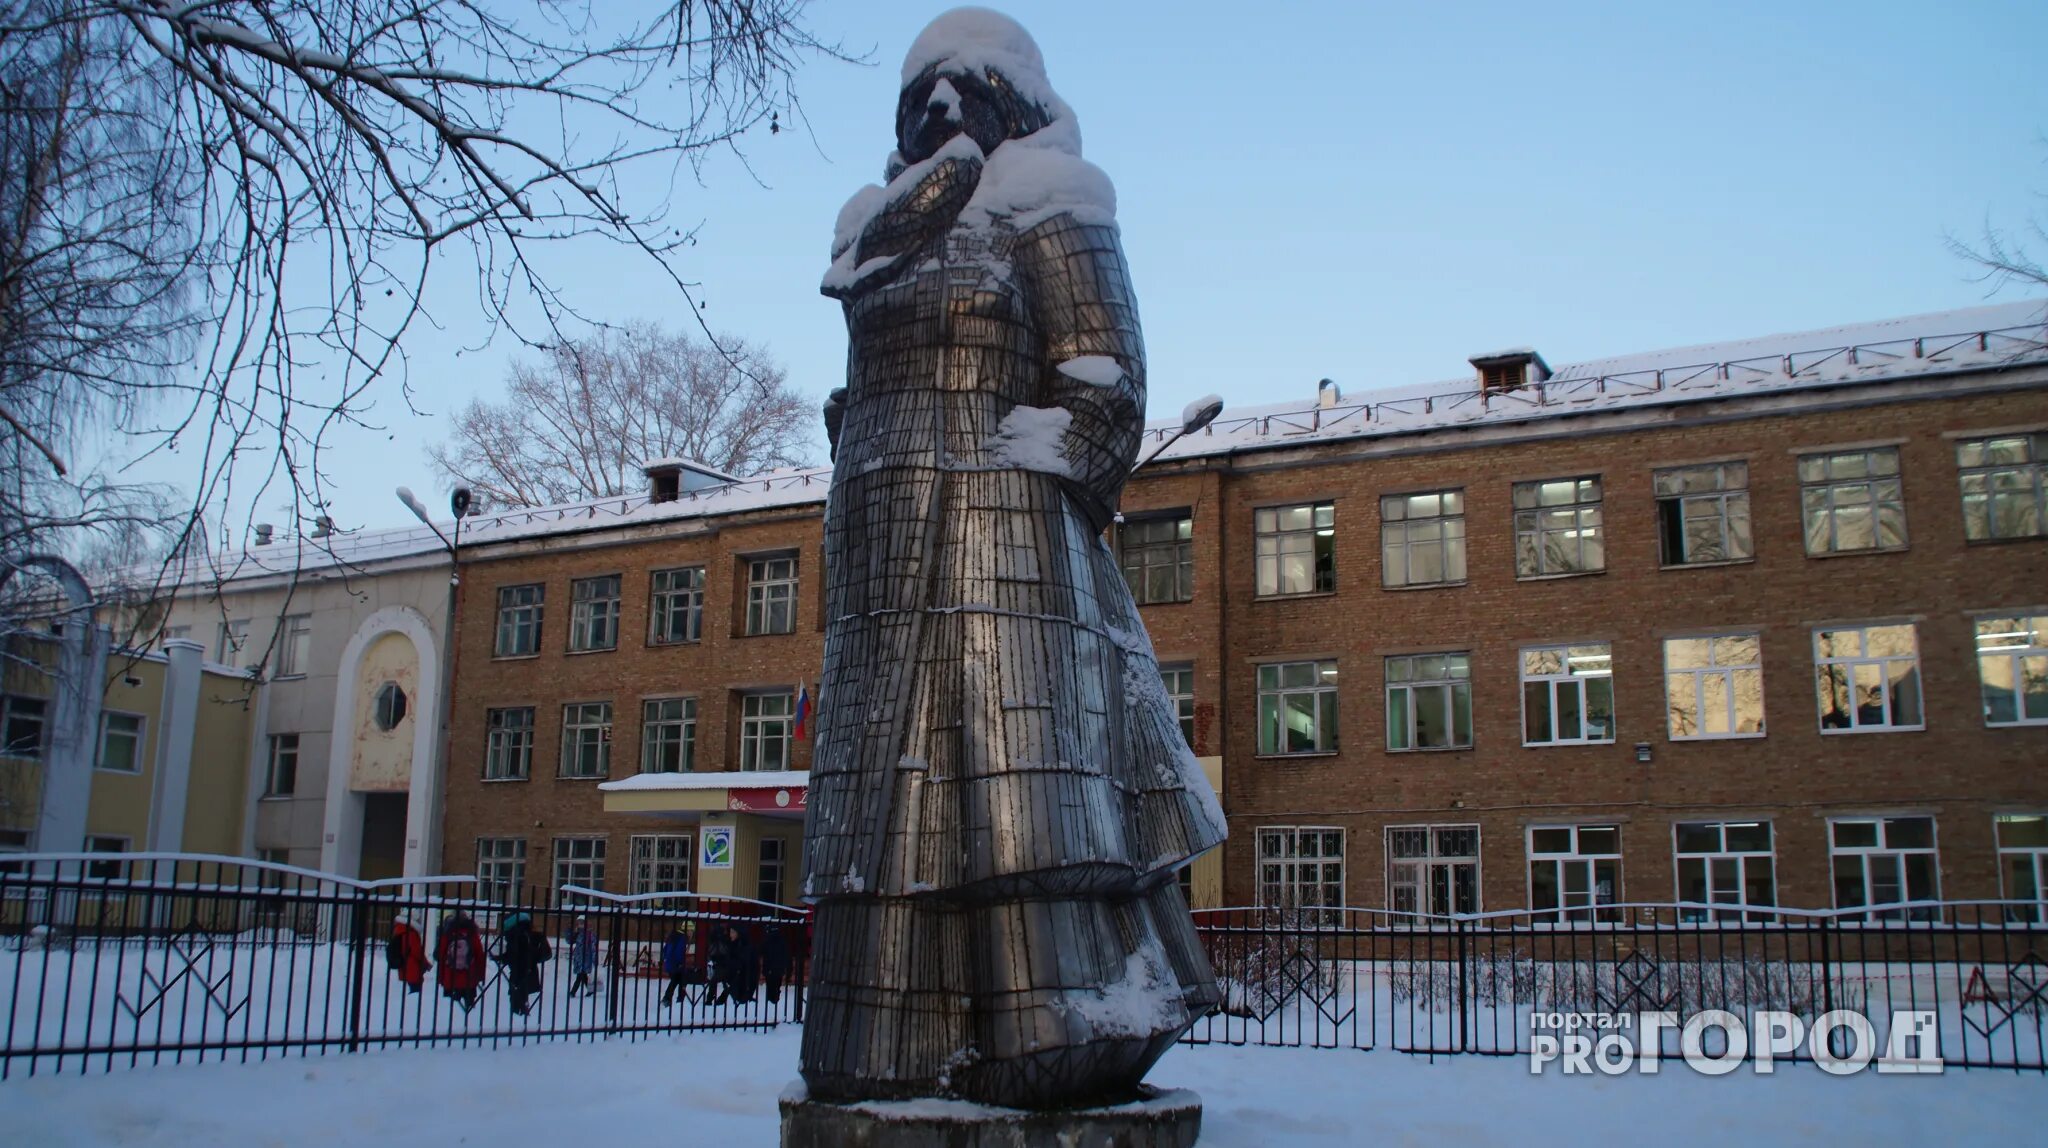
(1373, 192)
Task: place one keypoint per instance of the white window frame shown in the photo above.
(1589, 654)
(1453, 682)
(1418, 873)
(1142, 558)
(1322, 692)
(1275, 543)
(1554, 516)
(764, 865)
(578, 859)
(1742, 861)
(1178, 678)
(1288, 866)
(2025, 480)
(2032, 905)
(294, 645)
(508, 748)
(501, 869)
(1875, 910)
(679, 589)
(1423, 522)
(578, 720)
(758, 730)
(141, 730)
(1697, 683)
(278, 750)
(594, 614)
(1846, 483)
(230, 641)
(519, 618)
(1825, 687)
(2015, 639)
(1724, 499)
(1593, 909)
(771, 594)
(654, 869)
(655, 729)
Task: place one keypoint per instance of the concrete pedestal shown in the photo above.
(1158, 1118)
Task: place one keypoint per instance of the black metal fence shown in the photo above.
(110, 962)
(163, 958)
(1973, 974)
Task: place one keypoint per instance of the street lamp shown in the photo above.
(1194, 417)
(459, 502)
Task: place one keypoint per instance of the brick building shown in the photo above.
(1764, 622)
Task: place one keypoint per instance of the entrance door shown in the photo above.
(383, 836)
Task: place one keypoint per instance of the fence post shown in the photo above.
(1464, 987)
(615, 969)
(358, 932)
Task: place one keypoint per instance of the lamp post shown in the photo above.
(459, 503)
(1194, 417)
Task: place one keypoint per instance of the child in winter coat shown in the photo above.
(582, 941)
(522, 949)
(459, 947)
(675, 961)
(407, 954)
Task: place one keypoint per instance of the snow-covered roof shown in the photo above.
(2001, 335)
(765, 779)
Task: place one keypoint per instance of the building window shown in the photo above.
(21, 725)
(13, 842)
(1429, 701)
(771, 596)
(579, 861)
(668, 732)
(2012, 669)
(508, 744)
(105, 870)
(295, 652)
(2005, 486)
(773, 858)
(519, 612)
(1725, 863)
(1180, 687)
(1298, 708)
(1869, 678)
(1703, 513)
(2023, 864)
(500, 869)
(1158, 557)
(587, 739)
(1302, 868)
(1574, 870)
(1567, 694)
(1558, 527)
(766, 723)
(1714, 687)
(391, 706)
(120, 742)
(1295, 549)
(1433, 869)
(594, 613)
(281, 774)
(678, 606)
(1852, 501)
(1885, 861)
(1422, 538)
(231, 642)
(661, 863)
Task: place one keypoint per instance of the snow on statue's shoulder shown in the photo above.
(1095, 370)
(1032, 438)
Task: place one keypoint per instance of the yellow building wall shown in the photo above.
(119, 806)
(382, 759)
(219, 797)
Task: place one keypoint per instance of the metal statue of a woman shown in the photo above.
(1000, 796)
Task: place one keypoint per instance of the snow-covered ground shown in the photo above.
(720, 1088)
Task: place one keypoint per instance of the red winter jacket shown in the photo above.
(413, 970)
(459, 955)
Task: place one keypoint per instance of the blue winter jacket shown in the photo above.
(675, 953)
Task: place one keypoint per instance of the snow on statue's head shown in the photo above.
(976, 73)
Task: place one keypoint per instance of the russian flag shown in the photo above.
(803, 712)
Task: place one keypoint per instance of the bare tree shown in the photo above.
(221, 217)
(581, 422)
